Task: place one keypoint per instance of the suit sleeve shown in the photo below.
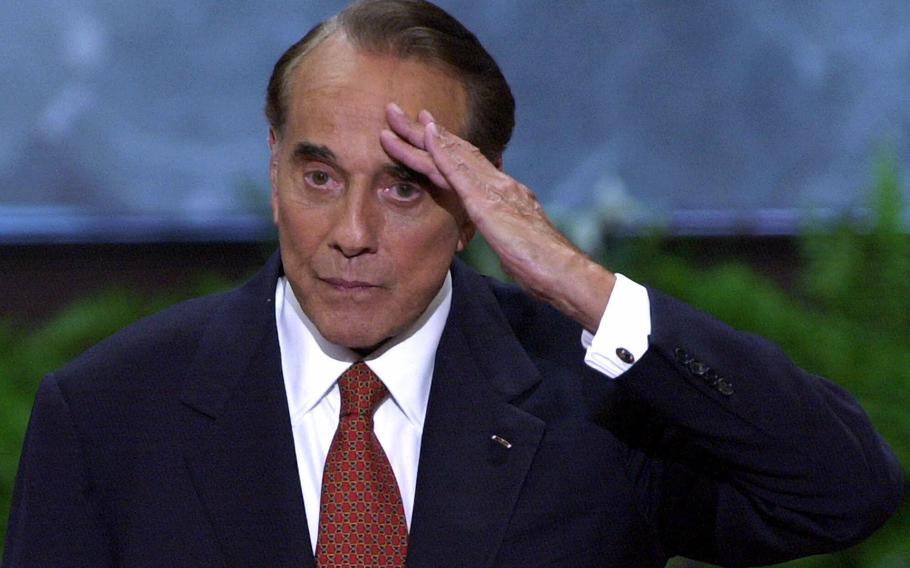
(52, 518)
(756, 461)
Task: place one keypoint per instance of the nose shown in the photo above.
(356, 226)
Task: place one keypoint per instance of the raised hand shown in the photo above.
(506, 212)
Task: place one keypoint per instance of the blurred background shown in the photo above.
(743, 156)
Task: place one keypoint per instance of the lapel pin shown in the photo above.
(501, 441)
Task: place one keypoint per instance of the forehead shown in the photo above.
(338, 78)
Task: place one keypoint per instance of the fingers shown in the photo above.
(426, 147)
(486, 191)
(407, 154)
(404, 126)
(404, 144)
(462, 165)
(425, 117)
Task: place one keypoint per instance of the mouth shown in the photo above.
(348, 285)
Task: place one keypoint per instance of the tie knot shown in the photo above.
(361, 390)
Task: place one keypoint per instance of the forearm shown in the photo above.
(575, 285)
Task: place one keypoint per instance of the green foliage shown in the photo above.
(864, 273)
(480, 256)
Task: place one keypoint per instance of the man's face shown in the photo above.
(364, 245)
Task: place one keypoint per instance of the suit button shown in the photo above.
(697, 368)
(624, 355)
(724, 387)
(682, 356)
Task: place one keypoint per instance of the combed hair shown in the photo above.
(412, 29)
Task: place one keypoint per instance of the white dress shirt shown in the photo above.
(311, 367)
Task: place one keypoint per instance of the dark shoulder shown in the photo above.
(149, 349)
(158, 351)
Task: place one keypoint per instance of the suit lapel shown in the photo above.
(467, 482)
(240, 448)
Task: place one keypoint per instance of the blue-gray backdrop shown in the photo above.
(133, 120)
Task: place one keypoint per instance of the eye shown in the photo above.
(320, 179)
(317, 177)
(403, 191)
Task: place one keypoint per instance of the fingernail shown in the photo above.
(429, 115)
(395, 108)
(434, 130)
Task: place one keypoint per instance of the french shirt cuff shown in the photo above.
(622, 337)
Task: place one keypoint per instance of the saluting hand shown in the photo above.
(507, 214)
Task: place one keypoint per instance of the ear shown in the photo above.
(273, 172)
(465, 234)
(274, 145)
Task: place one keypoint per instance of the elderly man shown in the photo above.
(367, 401)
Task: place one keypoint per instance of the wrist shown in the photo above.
(581, 290)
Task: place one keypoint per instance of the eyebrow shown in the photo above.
(309, 151)
(401, 172)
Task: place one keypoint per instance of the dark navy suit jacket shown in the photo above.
(169, 444)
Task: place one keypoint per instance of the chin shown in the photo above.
(361, 341)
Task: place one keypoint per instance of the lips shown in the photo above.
(342, 284)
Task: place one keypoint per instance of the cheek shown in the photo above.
(427, 246)
(299, 231)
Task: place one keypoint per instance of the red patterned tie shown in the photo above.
(361, 518)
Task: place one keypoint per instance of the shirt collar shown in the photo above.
(405, 364)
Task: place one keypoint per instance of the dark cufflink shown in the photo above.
(625, 355)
